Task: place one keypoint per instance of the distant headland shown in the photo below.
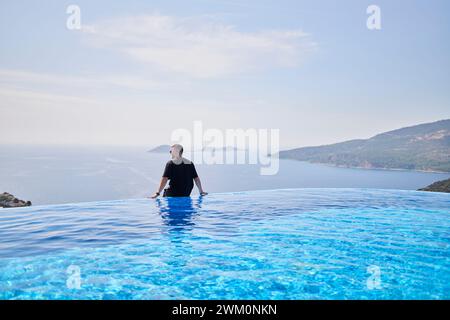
(164, 148)
(423, 147)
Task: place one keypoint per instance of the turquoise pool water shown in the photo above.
(280, 244)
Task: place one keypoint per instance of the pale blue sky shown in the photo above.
(139, 69)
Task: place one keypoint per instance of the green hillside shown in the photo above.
(421, 147)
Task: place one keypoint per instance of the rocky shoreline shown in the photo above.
(439, 186)
(7, 200)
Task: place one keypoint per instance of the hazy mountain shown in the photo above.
(223, 149)
(421, 147)
(164, 148)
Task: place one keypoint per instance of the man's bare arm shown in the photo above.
(198, 183)
(161, 187)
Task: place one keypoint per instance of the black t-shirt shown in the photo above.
(180, 176)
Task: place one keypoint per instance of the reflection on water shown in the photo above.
(179, 213)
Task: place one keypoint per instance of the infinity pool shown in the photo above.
(279, 244)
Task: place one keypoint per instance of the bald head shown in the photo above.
(176, 150)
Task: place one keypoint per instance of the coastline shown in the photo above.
(365, 168)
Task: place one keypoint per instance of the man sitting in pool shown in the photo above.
(180, 171)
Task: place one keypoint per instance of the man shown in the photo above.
(180, 171)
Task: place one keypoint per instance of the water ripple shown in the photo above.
(278, 244)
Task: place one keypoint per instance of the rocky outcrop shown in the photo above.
(7, 200)
(439, 186)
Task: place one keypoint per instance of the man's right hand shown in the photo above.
(155, 195)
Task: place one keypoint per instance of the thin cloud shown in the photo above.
(22, 78)
(197, 47)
